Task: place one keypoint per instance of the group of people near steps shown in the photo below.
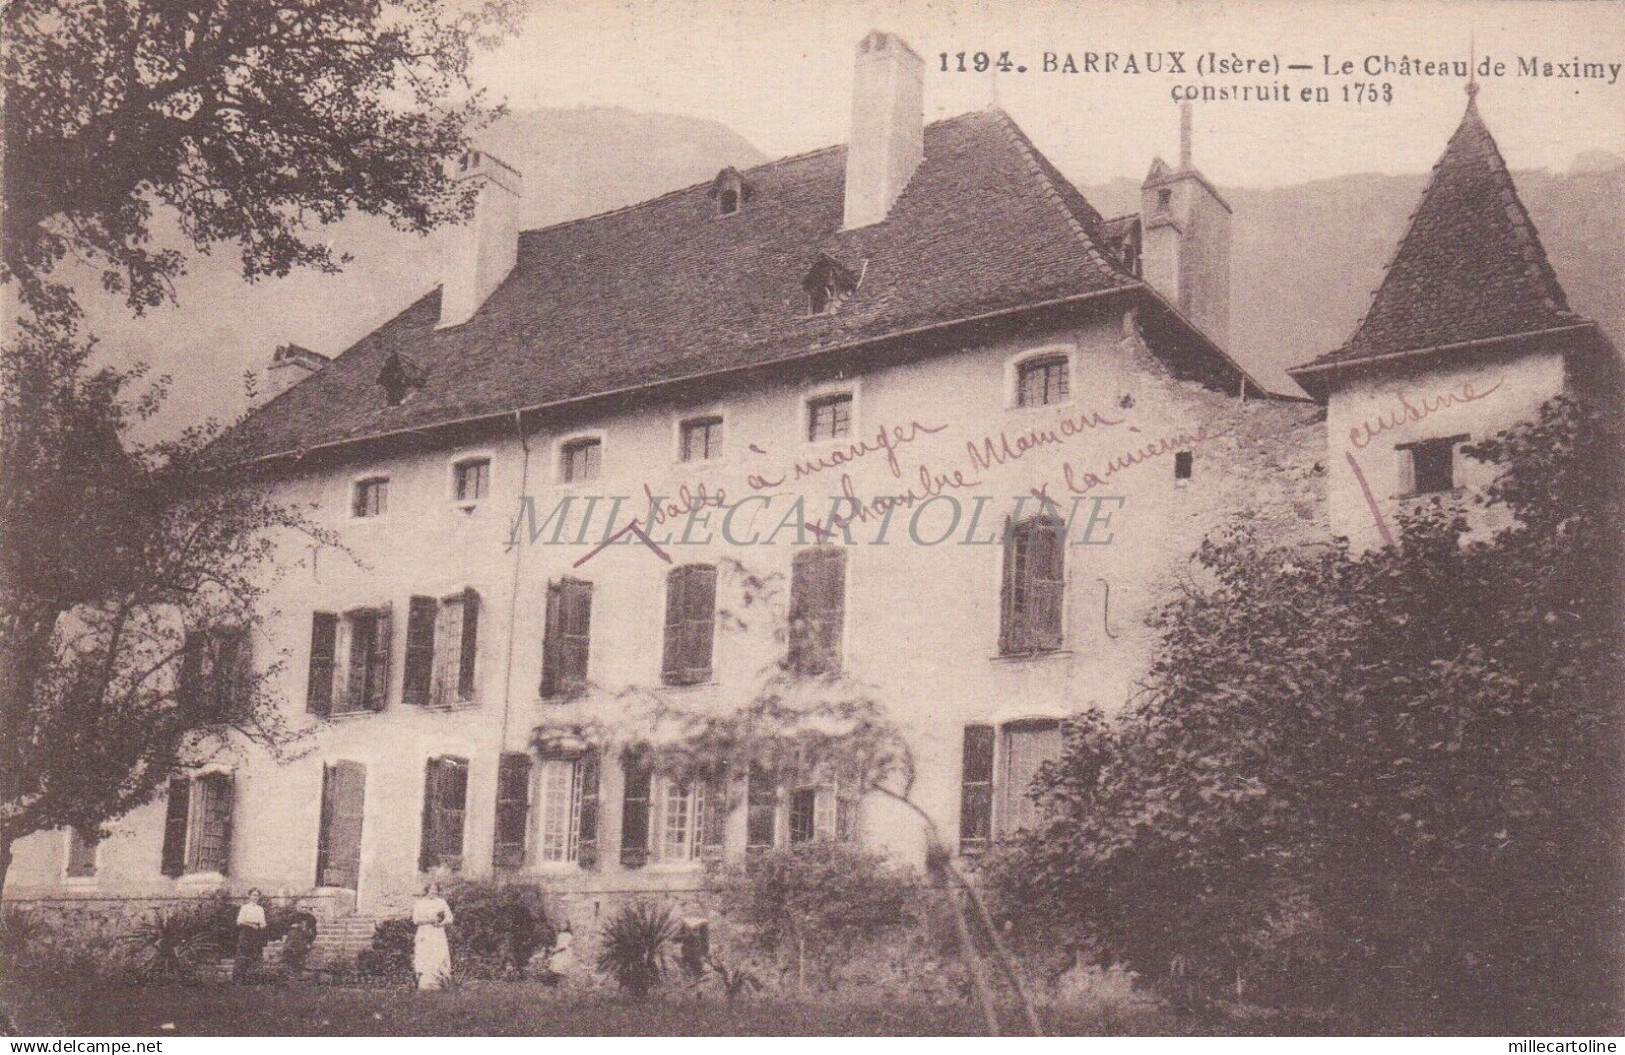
(431, 952)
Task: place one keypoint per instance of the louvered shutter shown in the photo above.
(1046, 577)
(363, 628)
(189, 687)
(671, 663)
(1009, 588)
(553, 642)
(817, 610)
(324, 635)
(383, 646)
(431, 815)
(210, 849)
(338, 856)
(175, 818)
(577, 642)
(976, 792)
(588, 770)
(635, 812)
(700, 620)
(468, 653)
(711, 820)
(419, 677)
(513, 810)
(761, 811)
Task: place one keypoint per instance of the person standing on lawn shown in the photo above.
(250, 936)
(431, 953)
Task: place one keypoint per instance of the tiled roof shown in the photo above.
(667, 290)
(1469, 268)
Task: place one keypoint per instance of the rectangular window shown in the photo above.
(1044, 381)
(829, 417)
(1428, 466)
(338, 840)
(804, 815)
(366, 639)
(445, 807)
(216, 670)
(701, 439)
(370, 497)
(691, 614)
(556, 803)
(580, 460)
(209, 831)
(566, 638)
(456, 649)
(976, 790)
(817, 610)
(1034, 583)
(81, 854)
(1182, 465)
(824, 811)
(1027, 746)
(471, 478)
(513, 810)
(639, 784)
(679, 822)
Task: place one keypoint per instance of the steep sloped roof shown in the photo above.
(1469, 268)
(668, 290)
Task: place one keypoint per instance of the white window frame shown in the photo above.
(574, 438)
(662, 797)
(206, 879)
(568, 841)
(468, 505)
(1012, 375)
(1002, 791)
(851, 388)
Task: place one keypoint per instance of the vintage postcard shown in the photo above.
(730, 517)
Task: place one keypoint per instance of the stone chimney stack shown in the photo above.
(888, 127)
(290, 364)
(480, 253)
(1185, 239)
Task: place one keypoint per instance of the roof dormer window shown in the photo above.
(730, 191)
(827, 285)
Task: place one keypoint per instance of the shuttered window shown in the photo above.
(366, 636)
(1027, 746)
(445, 808)
(639, 783)
(817, 610)
(324, 640)
(176, 814)
(1034, 577)
(588, 769)
(567, 810)
(513, 810)
(209, 847)
(566, 638)
(691, 611)
(338, 841)
(442, 650)
(418, 680)
(215, 674)
(81, 854)
(976, 790)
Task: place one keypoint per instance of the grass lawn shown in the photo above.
(516, 1009)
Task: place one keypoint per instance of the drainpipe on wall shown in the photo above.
(513, 585)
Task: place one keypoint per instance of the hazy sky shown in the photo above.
(779, 73)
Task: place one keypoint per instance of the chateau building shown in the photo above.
(909, 412)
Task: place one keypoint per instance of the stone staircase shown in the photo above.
(339, 939)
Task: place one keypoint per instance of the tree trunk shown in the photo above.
(1006, 964)
(801, 964)
(973, 959)
(5, 861)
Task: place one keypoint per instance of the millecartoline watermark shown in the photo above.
(705, 519)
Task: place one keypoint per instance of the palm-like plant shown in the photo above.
(171, 945)
(634, 951)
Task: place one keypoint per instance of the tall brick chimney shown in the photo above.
(480, 253)
(1185, 239)
(888, 126)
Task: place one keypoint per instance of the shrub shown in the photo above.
(807, 900)
(390, 956)
(171, 945)
(634, 947)
(498, 927)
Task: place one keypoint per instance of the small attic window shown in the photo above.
(730, 191)
(399, 378)
(1165, 198)
(827, 285)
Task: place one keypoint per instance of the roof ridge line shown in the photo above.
(1027, 150)
(759, 167)
(1533, 251)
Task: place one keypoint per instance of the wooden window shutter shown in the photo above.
(445, 805)
(553, 642)
(761, 811)
(190, 688)
(711, 821)
(1047, 583)
(383, 647)
(338, 857)
(418, 680)
(577, 642)
(817, 610)
(428, 840)
(175, 822)
(469, 653)
(699, 622)
(363, 628)
(588, 769)
(233, 672)
(513, 810)
(324, 637)
(210, 844)
(976, 794)
(1009, 592)
(635, 811)
(671, 662)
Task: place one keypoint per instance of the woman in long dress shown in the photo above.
(431, 954)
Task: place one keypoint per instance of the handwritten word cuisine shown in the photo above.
(1082, 482)
(886, 439)
(1407, 412)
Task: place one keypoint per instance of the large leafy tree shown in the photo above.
(1390, 783)
(128, 122)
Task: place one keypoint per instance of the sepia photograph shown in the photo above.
(880, 518)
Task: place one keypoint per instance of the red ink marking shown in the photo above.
(1370, 499)
(1362, 434)
(631, 527)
